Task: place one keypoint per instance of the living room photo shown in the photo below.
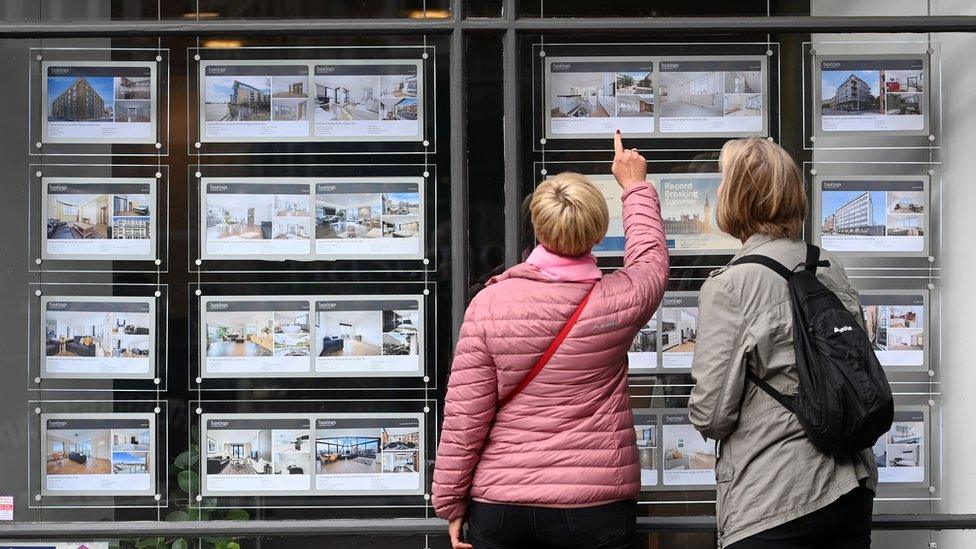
(348, 216)
(347, 451)
(346, 98)
(101, 334)
(239, 452)
(398, 97)
(349, 333)
(79, 452)
(691, 94)
(401, 332)
(240, 333)
(679, 330)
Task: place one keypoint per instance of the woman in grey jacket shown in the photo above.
(775, 488)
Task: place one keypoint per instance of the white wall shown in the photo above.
(957, 403)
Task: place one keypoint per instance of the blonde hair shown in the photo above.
(569, 214)
(761, 192)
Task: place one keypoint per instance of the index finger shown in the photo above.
(618, 143)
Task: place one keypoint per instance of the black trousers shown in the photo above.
(495, 526)
(844, 524)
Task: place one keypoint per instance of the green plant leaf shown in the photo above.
(185, 460)
(177, 515)
(222, 544)
(195, 433)
(189, 481)
(180, 544)
(233, 545)
(237, 514)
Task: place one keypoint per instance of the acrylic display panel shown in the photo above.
(315, 99)
(673, 455)
(312, 336)
(896, 322)
(97, 454)
(98, 218)
(97, 337)
(864, 216)
(661, 96)
(647, 428)
(315, 218)
(323, 454)
(103, 102)
(299, 454)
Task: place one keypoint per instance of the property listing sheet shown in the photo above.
(110, 219)
(98, 337)
(873, 94)
(252, 454)
(375, 100)
(689, 458)
(106, 454)
(704, 97)
(679, 329)
(643, 355)
(261, 218)
(98, 102)
(896, 321)
(592, 97)
(254, 101)
(369, 455)
(873, 216)
(255, 336)
(900, 453)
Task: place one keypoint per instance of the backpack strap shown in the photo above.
(785, 401)
(544, 359)
(813, 259)
(766, 262)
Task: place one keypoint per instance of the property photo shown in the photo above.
(239, 452)
(903, 91)
(906, 339)
(903, 103)
(257, 217)
(349, 333)
(685, 449)
(292, 453)
(79, 452)
(240, 334)
(79, 216)
(646, 339)
(347, 98)
(80, 98)
(679, 329)
(133, 87)
(96, 334)
(743, 93)
(291, 334)
(130, 463)
(130, 216)
(691, 94)
(854, 213)
(635, 94)
(127, 110)
(237, 98)
(347, 451)
(398, 97)
(401, 215)
(905, 316)
(876, 325)
(401, 462)
(349, 216)
(902, 445)
(582, 94)
(401, 335)
(647, 446)
(850, 92)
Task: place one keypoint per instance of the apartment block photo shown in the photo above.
(239, 452)
(582, 94)
(854, 213)
(291, 334)
(130, 216)
(79, 452)
(347, 451)
(398, 97)
(350, 333)
(850, 92)
(347, 98)
(401, 335)
(257, 217)
(347, 216)
(240, 334)
(691, 94)
(237, 98)
(99, 334)
(80, 99)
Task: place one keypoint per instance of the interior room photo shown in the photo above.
(401, 462)
(686, 449)
(239, 452)
(646, 339)
(348, 216)
(398, 97)
(347, 451)
(292, 453)
(635, 94)
(240, 216)
(691, 94)
(79, 452)
(130, 440)
(78, 216)
(127, 110)
(349, 333)
(82, 334)
(240, 333)
(132, 87)
(347, 98)
(647, 446)
(401, 215)
(291, 333)
(679, 329)
(401, 334)
(582, 94)
(400, 438)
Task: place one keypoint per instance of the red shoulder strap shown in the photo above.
(544, 359)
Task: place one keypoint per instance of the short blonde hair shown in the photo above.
(761, 192)
(569, 214)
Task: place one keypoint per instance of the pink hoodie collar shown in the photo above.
(558, 268)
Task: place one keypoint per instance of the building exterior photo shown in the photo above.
(690, 224)
(244, 94)
(854, 217)
(853, 95)
(79, 101)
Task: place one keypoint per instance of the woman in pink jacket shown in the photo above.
(557, 465)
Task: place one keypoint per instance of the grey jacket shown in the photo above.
(768, 472)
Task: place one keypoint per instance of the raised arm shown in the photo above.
(469, 408)
(646, 262)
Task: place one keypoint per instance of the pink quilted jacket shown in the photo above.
(568, 439)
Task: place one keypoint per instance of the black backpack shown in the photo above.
(844, 402)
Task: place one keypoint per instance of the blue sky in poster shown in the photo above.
(413, 198)
(831, 80)
(101, 84)
(832, 200)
